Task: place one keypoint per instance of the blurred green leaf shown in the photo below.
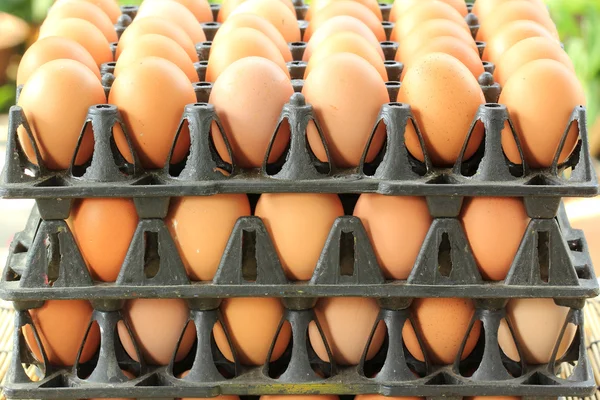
(7, 96)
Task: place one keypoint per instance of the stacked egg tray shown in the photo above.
(552, 261)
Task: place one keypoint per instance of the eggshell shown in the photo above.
(220, 397)
(53, 48)
(248, 98)
(390, 220)
(142, 89)
(341, 24)
(347, 323)
(84, 33)
(276, 13)
(82, 10)
(109, 7)
(443, 324)
(347, 42)
(260, 24)
(423, 12)
(444, 121)
(526, 317)
(494, 227)
(534, 48)
(400, 7)
(428, 31)
(346, 113)
(227, 7)
(484, 8)
(45, 106)
(176, 13)
(156, 325)
(299, 224)
(509, 35)
(349, 8)
(317, 5)
(199, 8)
(201, 227)
(152, 45)
(540, 98)
(61, 325)
(238, 44)
(252, 324)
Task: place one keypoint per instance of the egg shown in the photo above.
(347, 42)
(199, 8)
(53, 48)
(540, 110)
(62, 326)
(444, 121)
(173, 12)
(427, 31)
(252, 324)
(400, 7)
(84, 33)
(220, 397)
(534, 48)
(276, 13)
(260, 24)
(238, 44)
(427, 10)
(443, 324)
(45, 106)
(484, 8)
(157, 341)
(390, 220)
(317, 5)
(227, 7)
(201, 227)
(85, 11)
(347, 323)
(341, 24)
(349, 8)
(299, 224)
(140, 91)
(248, 98)
(109, 7)
(509, 35)
(152, 45)
(526, 317)
(346, 113)
(159, 26)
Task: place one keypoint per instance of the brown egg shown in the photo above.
(484, 8)
(347, 323)
(299, 224)
(423, 12)
(249, 120)
(390, 220)
(443, 323)
(238, 44)
(227, 7)
(62, 325)
(341, 24)
(153, 45)
(444, 121)
(347, 42)
(200, 8)
(220, 397)
(156, 325)
(252, 325)
(276, 13)
(540, 98)
(159, 26)
(317, 5)
(401, 7)
(109, 7)
(82, 10)
(346, 113)
(509, 35)
(45, 105)
(53, 48)
(527, 316)
(201, 227)
(84, 33)
(142, 89)
(173, 12)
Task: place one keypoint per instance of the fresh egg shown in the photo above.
(93, 221)
(299, 224)
(347, 42)
(53, 48)
(227, 7)
(400, 7)
(255, 22)
(390, 220)
(84, 33)
(62, 325)
(346, 113)
(341, 24)
(276, 13)
(139, 91)
(509, 35)
(201, 227)
(426, 11)
(443, 324)
(494, 227)
(347, 323)
(109, 7)
(540, 97)
(248, 98)
(484, 8)
(427, 31)
(317, 5)
(220, 397)
(349, 8)
(153, 45)
(527, 316)
(252, 324)
(176, 13)
(45, 106)
(534, 48)
(238, 44)
(85, 11)
(199, 8)
(444, 121)
(157, 343)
